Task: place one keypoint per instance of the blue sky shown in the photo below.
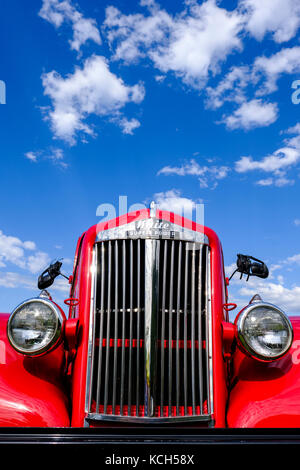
(180, 102)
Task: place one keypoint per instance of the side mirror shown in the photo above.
(251, 267)
(47, 277)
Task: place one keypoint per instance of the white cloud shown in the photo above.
(286, 61)
(274, 289)
(128, 126)
(173, 201)
(258, 79)
(32, 156)
(230, 88)
(191, 44)
(252, 114)
(57, 12)
(207, 175)
(280, 159)
(37, 262)
(92, 89)
(14, 280)
(297, 222)
(279, 182)
(55, 155)
(281, 18)
(278, 163)
(286, 298)
(14, 251)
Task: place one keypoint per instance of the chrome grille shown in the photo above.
(150, 356)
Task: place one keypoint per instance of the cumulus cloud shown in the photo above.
(277, 163)
(280, 18)
(15, 251)
(57, 12)
(231, 88)
(14, 280)
(129, 125)
(252, 114)
(173, 201)
(191, 44)
(208, 176)
(270, 69)
(90, 90)
(288, 298)
(275, 289)
(255, 80)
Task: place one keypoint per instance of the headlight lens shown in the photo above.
(265, 331)
(34, 326)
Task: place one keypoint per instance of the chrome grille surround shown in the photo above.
(150, 384)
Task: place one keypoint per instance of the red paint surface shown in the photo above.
(31, 391)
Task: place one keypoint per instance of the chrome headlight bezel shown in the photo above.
(55, 339)
(245, 344)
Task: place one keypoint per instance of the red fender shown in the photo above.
(266, 395)
(31, 391)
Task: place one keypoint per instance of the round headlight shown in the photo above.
(264, 331)
(34, 326)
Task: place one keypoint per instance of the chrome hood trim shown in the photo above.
(152, 228)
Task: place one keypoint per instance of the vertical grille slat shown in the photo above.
(200, 330)
(178, 330)
(163, 327)
(100, 351)
(130, 328)
(185, 327)
(171, 328)
(138, 327)
(108, 329)
(116, 326)
(123, 326)
(193, 273)
(151, 357)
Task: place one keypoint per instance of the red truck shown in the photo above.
(147, 339)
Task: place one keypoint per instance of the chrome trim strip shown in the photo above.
(138, 326)
(107, 330)
(116, 326)
(123, 326)
(146, 419)
(185, 328)
(210, 404)
(163, 328)
(101, 321)
(130, 326)
(170, 366)
(200, 350)
(178, 328)
(152, 228)
(91, 328)
(193, 326)
(151, 308)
